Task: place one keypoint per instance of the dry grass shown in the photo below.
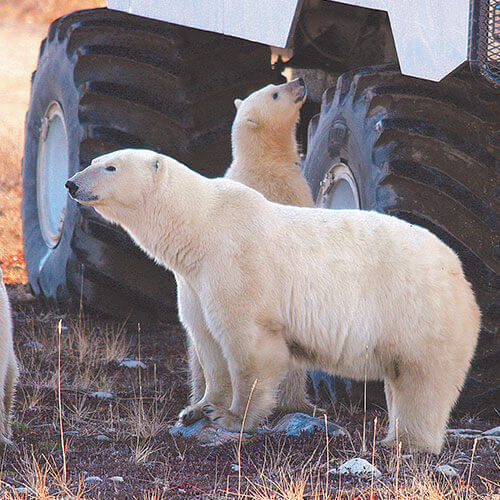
(57, 420)
(11, 257)
(44, 10)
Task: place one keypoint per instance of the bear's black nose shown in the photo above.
(302, 83)
(72, 187)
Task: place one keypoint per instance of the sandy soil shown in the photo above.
(19, 44)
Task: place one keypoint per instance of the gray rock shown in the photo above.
(132, 363)
(116, 479)
(206, 433)
(296, 424)
(23, 490)
(102, 395)
(357, 467)
(102, 437)
(464, 433)
(37, 346)
(293, 424)
(492, 432)
(447, 470)
(93, 479)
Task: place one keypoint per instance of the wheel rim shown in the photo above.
(52, 173)
(338, 189)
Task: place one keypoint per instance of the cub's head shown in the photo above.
(119, 180)
(273, 108)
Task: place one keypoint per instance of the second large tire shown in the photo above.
(116, 81)
(428, 153)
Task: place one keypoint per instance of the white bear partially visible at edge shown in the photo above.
(358, 294)
(266, 158)
(8, 365)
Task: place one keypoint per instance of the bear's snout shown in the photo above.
(71, 187)
(298, 89)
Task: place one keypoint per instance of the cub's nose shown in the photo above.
(301, 82)
(72, 187)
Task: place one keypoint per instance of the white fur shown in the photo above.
(8, 365)
(265, 158)
(358, 294)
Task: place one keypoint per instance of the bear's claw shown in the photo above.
(225, 419)
(190, 415)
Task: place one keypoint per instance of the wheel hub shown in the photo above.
(338, 189)
(52, 173)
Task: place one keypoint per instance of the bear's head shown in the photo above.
(274, 108)
(118, 180)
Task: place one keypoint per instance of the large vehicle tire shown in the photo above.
(428, 153)
(108, 80)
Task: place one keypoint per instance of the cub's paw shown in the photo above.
(190, 415)
(225, 419)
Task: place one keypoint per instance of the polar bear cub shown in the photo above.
(358, 294)
(266, 158)
(8, 365)
(264, 144)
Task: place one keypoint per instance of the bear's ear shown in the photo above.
(237, 103)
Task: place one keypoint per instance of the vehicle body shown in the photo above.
(403, 118)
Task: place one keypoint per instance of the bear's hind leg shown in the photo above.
(421, 405)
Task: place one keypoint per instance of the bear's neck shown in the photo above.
(171, 225)
(256, 147)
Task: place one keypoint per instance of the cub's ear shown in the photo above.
(237, 103)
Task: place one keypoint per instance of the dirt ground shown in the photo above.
(73, 443)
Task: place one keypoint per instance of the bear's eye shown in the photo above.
(275, 95)
(110, 168)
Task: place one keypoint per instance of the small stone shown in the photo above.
(37, 346)
(464, 433)
(93, 479)
(132, 363)
(357, 467)
(102, 437)
(102, 395)
(116, 479)
(235, 467)
(71, 433)
(492, 432)
(23, 490)
(447, 470)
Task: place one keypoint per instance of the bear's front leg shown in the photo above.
(254, 356)
(209, 376)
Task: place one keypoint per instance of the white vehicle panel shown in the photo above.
(265, 21)
(431, 36)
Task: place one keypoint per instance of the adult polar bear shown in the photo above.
(8, 365)
(266, 158)
(358, 294)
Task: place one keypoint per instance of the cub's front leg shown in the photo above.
(253, 354)
(209, 376)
